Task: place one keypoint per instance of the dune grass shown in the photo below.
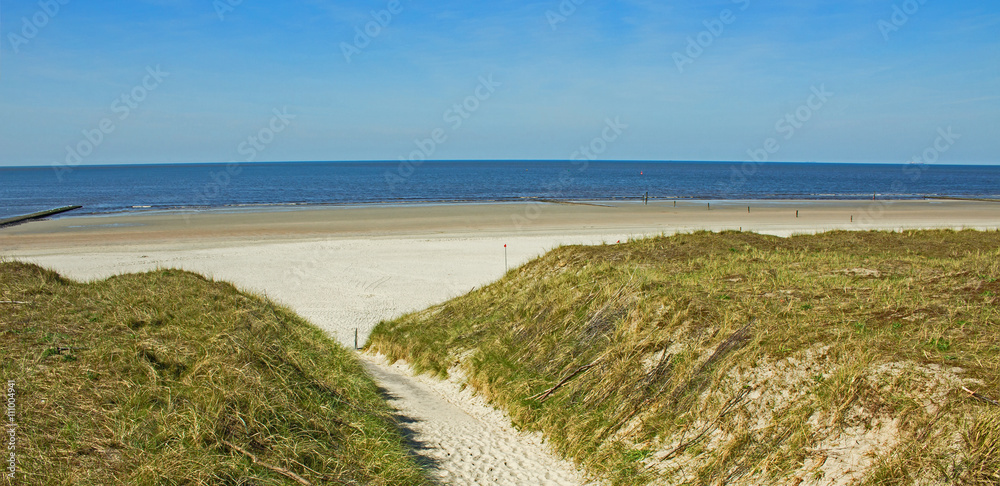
(738, 358)
(169, 378)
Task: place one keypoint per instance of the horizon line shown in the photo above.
(436, 161)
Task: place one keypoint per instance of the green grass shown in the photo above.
(169, 378)
(739, 358)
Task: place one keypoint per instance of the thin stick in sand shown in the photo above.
(280, 470)
(980, 397)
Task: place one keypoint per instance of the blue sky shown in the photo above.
(229, 66)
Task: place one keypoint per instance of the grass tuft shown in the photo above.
(169, 378)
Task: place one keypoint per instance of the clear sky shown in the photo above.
(205, 80)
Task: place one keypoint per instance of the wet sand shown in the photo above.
(537, 218)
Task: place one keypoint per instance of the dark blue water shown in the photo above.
(111, 189)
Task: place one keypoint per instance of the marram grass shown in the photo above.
(168, 378)
(737, 358)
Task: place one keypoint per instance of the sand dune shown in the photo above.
(349, 268)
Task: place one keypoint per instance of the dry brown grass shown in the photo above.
(738, 358)
(169, 378)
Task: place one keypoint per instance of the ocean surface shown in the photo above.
(116, 189)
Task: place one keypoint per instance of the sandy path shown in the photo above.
(462, 440)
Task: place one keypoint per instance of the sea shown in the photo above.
(106, 190)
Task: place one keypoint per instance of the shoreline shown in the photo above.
(779, 217)
(623, 200)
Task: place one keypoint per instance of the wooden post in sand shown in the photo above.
(355, 339)
(505, 267)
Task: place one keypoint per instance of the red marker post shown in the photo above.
(505, 267)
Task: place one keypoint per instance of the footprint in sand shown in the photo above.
(464, 442)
